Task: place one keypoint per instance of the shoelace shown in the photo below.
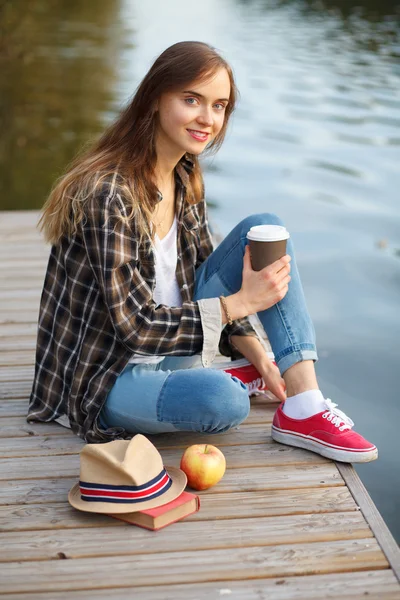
(336, 416)
(254, 385)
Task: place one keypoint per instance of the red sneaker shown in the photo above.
(246, 372)
(328, 433)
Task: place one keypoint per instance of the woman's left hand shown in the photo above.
(273, 380)
(254, 351)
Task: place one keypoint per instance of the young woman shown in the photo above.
(136, 303)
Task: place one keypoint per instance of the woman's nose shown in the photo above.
(205, 117)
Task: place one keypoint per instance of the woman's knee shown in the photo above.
(225, 401)
(241, 404)
(203, 400)
(260, 219)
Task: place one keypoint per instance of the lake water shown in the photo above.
(315, 139)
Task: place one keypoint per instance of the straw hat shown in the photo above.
(124, 476)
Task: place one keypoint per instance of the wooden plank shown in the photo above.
(20, 344)
(34, 249)
(237, 454)
(372, 516)
(14, 274)
(9, 317)
(36, 489)
(23, 260)
(16, 233)
(376, 585)
(16, 295)
(18, 427)
(232, 505)
(193, 566)
(14, 357)
(11, 305)
(16, 374)
(184, 536)
(21, 269)
(15, 236)
(17, 223)
(14, 427)
(42, 445)
(15, 389)
(16, 330)
(248, 434)
(265, 399)
(17, 219)
(14, 408)
(268, 456)
(33, 491)
(31, 281)
(245, 434)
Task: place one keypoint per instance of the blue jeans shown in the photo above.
(178, 394)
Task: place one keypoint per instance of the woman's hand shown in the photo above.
(273, 380)
(262, 289)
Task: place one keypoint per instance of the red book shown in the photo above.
(246, 372)
(161, 516)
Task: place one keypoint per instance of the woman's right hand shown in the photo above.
(262, 289)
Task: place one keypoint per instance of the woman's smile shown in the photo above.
(201, 136)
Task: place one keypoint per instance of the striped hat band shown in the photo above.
(96, 492)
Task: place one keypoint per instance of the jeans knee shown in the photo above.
(227, 402)
(240, 403)
(260, 219)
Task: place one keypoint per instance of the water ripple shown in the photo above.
(342, 169)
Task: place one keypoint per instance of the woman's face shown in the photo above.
(190, 118)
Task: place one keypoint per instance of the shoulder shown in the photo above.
(108, 196)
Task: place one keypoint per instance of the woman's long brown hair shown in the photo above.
(127, 147)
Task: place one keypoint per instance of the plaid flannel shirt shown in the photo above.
(97, 309)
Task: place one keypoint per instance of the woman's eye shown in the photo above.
(192, 101)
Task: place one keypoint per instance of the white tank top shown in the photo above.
(166, 290)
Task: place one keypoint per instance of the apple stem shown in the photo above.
(205, 449)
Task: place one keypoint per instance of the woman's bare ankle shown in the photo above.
(300, 378)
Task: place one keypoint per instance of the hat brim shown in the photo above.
(179, 482)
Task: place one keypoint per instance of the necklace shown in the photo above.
(159, 222)
(156, 220)
(169, 189)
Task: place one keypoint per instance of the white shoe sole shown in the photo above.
(347, 456)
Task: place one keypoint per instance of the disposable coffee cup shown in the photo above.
(267, 244)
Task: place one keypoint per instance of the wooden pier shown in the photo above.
(282, 524)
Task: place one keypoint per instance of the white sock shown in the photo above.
(304, 405)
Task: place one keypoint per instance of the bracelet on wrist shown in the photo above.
(228, 316)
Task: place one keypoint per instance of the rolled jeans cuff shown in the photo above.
(287, 360)
(211, 321)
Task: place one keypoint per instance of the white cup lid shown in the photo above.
(268, 233)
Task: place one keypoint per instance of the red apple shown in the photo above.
(204, 466)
